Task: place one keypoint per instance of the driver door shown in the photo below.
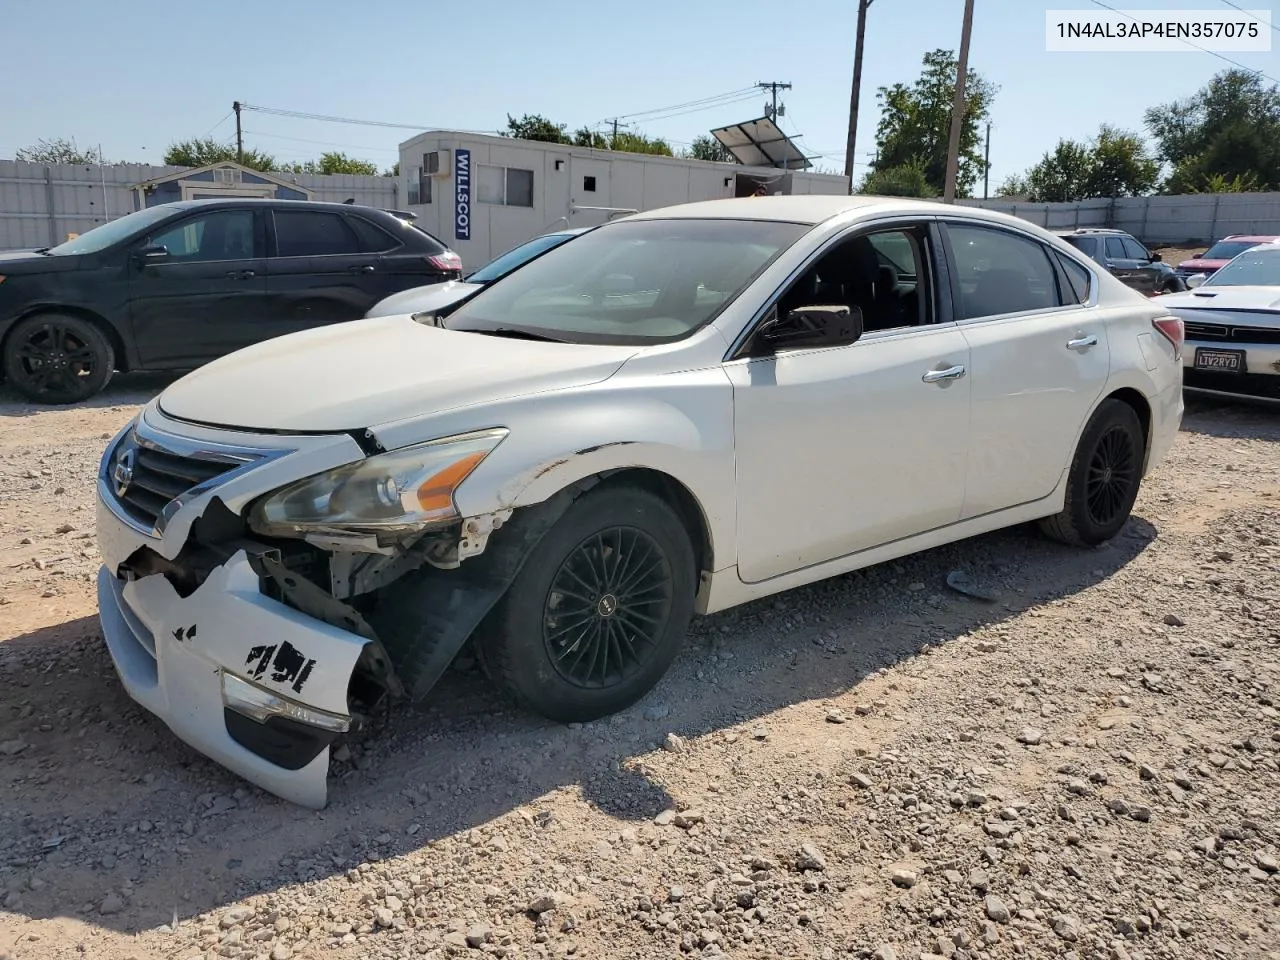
(841, 449)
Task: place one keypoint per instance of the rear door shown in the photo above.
(1122, 263)
(1039, 360)
(319, 271)
(408, 256)
(202, 291)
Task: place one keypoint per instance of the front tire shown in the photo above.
(58, 358)
(1103, 481)
(599, 610)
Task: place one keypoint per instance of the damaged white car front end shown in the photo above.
(226, 567)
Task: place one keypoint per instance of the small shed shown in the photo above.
(216, 181)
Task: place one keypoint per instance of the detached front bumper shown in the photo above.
(245, 679)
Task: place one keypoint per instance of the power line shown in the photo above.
(1251, 15)
(301, 115)
(324, 143)
(723, 103)
(1212, 53)
(219, 123)
(688, 103)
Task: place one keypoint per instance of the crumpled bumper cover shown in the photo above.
(175, 654)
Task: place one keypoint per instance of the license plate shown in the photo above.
(1220, 361)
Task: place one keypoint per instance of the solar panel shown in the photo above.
(759, 143)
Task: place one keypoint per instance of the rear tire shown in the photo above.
(58, 358)
(1104, 478)
(599, 610)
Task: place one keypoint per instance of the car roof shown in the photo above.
(1252, 238)
(1082, 230)
(807, 208)
(274, 202)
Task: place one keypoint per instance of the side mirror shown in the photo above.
(1196, 280)
(817, 326)
(1156, 257)
(151, 255)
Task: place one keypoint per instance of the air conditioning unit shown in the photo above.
(436, 164)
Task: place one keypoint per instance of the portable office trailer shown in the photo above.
(483, 195)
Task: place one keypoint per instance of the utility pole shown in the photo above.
(239, 133)
(957, 107)
(616, 124)
(856, 92)
(986, 164)
(774, 88)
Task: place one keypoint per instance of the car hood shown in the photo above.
(352, 376)
(19, 262)
(1202, 265)
(1210, 297)
(433, 296)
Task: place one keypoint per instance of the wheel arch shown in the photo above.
(105, 327)
(1137, 401)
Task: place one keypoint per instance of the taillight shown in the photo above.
(447, 261)
(1171, 329)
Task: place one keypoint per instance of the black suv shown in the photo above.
(177, 285)
(1127, 260)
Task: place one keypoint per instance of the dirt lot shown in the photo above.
(874, 766)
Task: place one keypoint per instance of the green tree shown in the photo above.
(1062, 174)
(201, 151)
(639, 143)
(331, 163)
(706, 147)
(394, 170)
(534, 126)
(1228, 128)
(1014, 187)
(907, 180)
(1120, 165)
(586, 137)
(915, 123)
(57, 150)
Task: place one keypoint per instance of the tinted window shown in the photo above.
(312, 234)
(1078, 278)
(1227, 249)
(373, 239)
(1000, 272)
(640, 282)
(105, 234)
(1134, 250)
(221, 235)
(1086, 245)
(1115, 249)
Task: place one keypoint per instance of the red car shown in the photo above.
(1219, 255)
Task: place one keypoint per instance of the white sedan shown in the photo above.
(676, 413)
(1232, 323)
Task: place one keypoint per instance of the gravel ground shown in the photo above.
(872, 767)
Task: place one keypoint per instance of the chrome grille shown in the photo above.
(145, 478)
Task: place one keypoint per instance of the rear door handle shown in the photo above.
(1083, 343)
(364, 268)
(240, 275)
(950, 373)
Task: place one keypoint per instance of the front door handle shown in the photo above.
(1083, 343)
(240, 275)
(950, 373)
(365, 268)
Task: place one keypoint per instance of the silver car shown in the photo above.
(1232, 323)
(436, 296)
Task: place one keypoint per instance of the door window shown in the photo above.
(307, 233)
(999, 272)
(1134, 250)
(373, 239)
(883, 274)
(1079, 281)
(1115, 249)
(219, 235)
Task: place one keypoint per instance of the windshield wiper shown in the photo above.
(44, 250)
(516, 334)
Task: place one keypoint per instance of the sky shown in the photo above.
(134, 76)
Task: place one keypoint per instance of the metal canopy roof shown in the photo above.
(759, 143)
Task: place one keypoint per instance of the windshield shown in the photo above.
(634, 282)
(106, 234)
(1227, 249)
(1258, 268)
(522, 254)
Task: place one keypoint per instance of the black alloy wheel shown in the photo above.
(55, 358)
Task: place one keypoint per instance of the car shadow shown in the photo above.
(126, 389)
(103, 798)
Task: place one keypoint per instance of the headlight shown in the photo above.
(395, 492)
